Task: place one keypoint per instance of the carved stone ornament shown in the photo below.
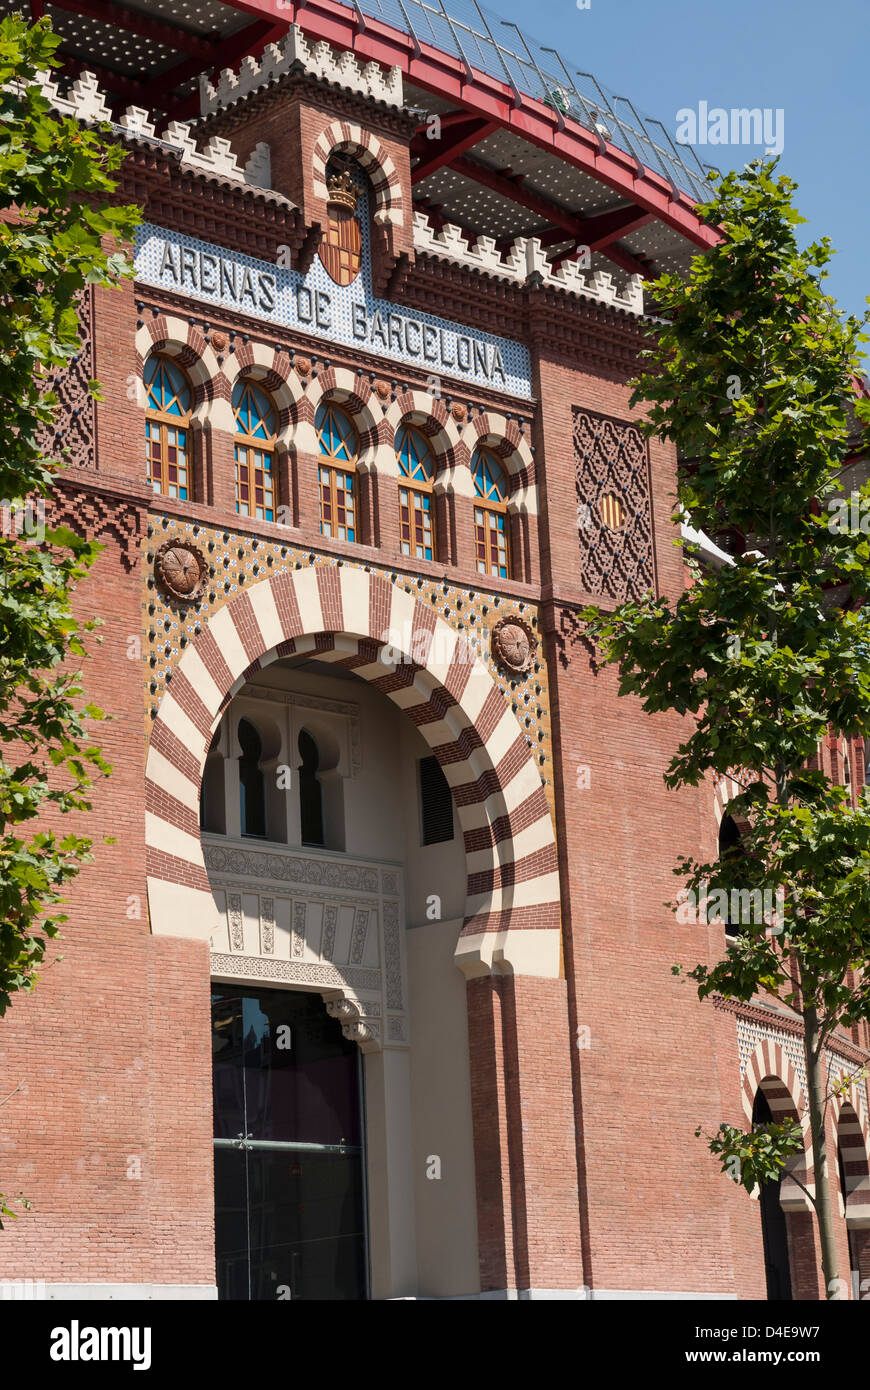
(514, 644)
(303, 365)
(458, 411)
(219, 341)
(181, 570)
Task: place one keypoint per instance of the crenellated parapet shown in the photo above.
(297, 54)
(525, 259)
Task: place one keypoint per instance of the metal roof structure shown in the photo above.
(529, 146)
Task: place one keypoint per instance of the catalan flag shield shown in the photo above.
(341, 248)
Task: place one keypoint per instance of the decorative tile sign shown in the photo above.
(314, 303)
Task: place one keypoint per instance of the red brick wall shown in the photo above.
(114, 1045)
(657, 1062)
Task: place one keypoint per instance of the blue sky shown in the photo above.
(807, 57)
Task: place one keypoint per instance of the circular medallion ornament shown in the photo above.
(514, 644)
(181, 570)
(219, 341)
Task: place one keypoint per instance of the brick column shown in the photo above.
(463, 511)
(524, 1143)
(222, 469)
(804, 1257)
(386, 500)
(307, 466)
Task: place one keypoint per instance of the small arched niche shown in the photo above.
(321, 789)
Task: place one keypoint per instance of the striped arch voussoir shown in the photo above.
(347, 138)
(430, 416)
(850, 1127)
(770, 1070)
(388, 638)
(726, 786)
(354, 394)
(770, 1060)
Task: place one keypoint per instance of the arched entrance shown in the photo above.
(348, 617)
(774, 1229)
(772, 1092)
(508, 946)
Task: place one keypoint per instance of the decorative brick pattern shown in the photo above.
(72, 437)
(611, 460)
(96, 517)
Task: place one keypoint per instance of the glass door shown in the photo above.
(289, 1180)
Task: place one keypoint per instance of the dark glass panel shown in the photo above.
(310, 793)
(252, 786)
(306, 1218)
(286, 1220)
(231, 1223)
(306, 1091)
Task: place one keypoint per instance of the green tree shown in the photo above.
(58, 233)
(749, 375)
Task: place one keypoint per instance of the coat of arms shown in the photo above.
(341, 248)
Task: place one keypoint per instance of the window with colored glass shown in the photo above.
(491, 538)
(416, 469)
(339, 444)
(256, 428)
(167, 427)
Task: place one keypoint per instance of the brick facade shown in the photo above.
(590, 1064)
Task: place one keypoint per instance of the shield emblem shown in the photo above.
(340, 250)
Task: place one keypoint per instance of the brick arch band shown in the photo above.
(771, 1071)
(349, 138)
(850, 1127)
(340, 614)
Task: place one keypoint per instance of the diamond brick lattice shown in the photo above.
(612, 479)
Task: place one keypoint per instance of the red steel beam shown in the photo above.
(464, 134)
(478, 93)
(560, 217)
(483, 95)
(580, 228)
(606, 227)
(514, 189)
(141, 24)
(224, 55)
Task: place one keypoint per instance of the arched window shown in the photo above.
(167, 426)
(491, 539)
(252, 784)
(339, 443)
(730, 847)
(211, 793)
(773, 1222)
(310, 791)
(417, 465)
(256, 426)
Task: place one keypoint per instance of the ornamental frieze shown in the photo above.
(334, 299)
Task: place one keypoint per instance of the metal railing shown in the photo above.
(478, 38)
